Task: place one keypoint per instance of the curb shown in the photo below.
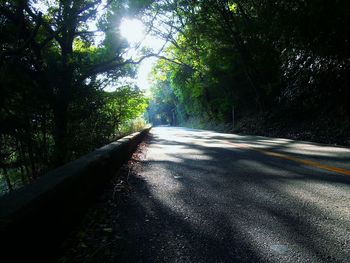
(35, 219)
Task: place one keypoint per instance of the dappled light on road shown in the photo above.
(206, 188)
(202, 196)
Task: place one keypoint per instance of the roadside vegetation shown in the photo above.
(278, 68)
(53, 75)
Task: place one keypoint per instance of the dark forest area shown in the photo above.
(275, 68)
(52, 76)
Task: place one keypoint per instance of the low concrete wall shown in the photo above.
(35, 219)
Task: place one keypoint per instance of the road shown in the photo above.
(203, 196)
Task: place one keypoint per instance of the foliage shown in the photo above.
(288, 57)
(52, 71)
(257, 56)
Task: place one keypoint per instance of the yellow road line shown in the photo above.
(298, 160)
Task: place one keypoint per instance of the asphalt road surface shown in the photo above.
(203, 196)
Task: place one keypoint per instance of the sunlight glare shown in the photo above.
(133, 30)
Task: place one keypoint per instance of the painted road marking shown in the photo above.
(298, 160)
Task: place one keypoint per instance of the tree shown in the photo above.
(261, 56)
(52, 71)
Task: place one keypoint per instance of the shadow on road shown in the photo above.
(198, 199)
(233, 205)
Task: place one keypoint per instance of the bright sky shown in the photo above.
(135, 33)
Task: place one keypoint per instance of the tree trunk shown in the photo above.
(7, 179)
(60, 131)
(64, 87)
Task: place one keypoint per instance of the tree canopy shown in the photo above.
(223, 59)
(56, 58)
(289, 57)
